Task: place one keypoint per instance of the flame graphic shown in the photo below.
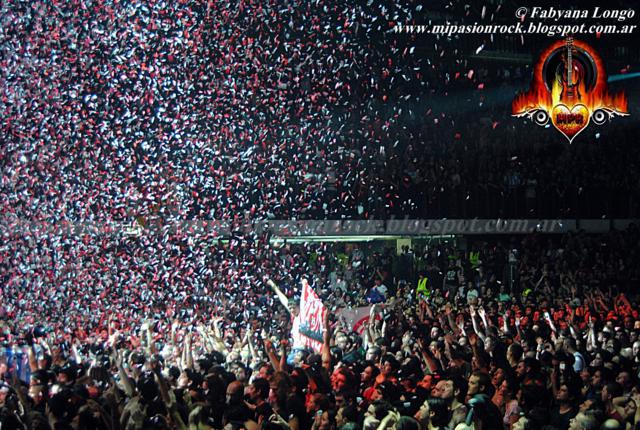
(539, 97)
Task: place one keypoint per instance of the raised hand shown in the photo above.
(113, 339)
(268, 345)
(117, 357)
(481, 313)
(275, 418)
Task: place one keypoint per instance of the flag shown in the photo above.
(356, 318)
(308, 332)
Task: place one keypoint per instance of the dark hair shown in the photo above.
(484, 380)
(270, 371)
(375, 371)
(440, 409)
(336, 353)
(332, 416)
(516, 351)
(407, 423)
(389, 391)
(322, 401)
(299, 379)
(389, 358)
(412, 366)
(41, 375)
(58, 404)
(570, 342)
(533, 364)
(533, 396)
(381, 408)
(195, 378)
(236, 414)
(216, 357)
(350, 413)
(282, 381)
(482, 409)
(512, 385)
(614, 389)
(217, 387)
(38, 421)
(460, 384)
(262, 387)
(174, 372)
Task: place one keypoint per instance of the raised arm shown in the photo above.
(371, 326)
(474, 322)
(188, 351)
(33, 361)
(591, 337)
(431, 362)
(127, 383)
(270, 351)
(281, 296)
(450, 318)
(326, 344)
(218, 342)
(252, 349)
(148, 333)
(167, 397)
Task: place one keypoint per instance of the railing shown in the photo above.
(331, 230)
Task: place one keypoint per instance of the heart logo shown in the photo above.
(572, 121)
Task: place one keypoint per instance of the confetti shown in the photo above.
(143, 145)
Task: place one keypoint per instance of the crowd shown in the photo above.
(167, 111)
(531, 333)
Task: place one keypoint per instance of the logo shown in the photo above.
(569, 88)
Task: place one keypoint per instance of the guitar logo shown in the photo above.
(570, 74)
(569, 89)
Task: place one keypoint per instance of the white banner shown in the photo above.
(310, 328)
